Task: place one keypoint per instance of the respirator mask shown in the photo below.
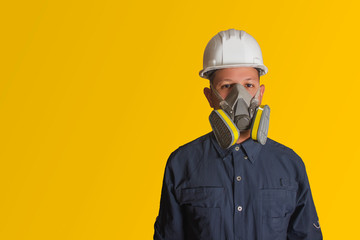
(239, 112)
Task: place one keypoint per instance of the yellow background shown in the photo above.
(95, 95)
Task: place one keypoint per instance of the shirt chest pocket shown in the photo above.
(202, 212)
(277, 202)
(277, 207)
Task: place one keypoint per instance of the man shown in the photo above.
(235, 183)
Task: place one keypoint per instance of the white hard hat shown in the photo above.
(232, 48)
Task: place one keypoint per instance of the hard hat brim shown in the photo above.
(263, 68)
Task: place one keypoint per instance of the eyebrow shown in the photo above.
(247, 79)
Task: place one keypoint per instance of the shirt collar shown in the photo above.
(251, 148)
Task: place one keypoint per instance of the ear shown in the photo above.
(262, 90)
(207, 93)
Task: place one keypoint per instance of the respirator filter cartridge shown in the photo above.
(260, 125)
(225, 131)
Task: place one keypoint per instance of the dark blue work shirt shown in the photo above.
(247, 192)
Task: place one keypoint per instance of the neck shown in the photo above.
(243, 136)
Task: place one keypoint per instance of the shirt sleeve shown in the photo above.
(304, 223)
(169, 223)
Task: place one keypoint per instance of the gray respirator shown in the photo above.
(239, 112)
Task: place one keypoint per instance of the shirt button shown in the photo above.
(239, 208)
(237, 148)
(246, 157)
(238, 178)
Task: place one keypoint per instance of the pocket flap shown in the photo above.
(202, 196)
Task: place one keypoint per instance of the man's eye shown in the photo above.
(248, 85)
(225, 86)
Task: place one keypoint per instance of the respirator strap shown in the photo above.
(254, 103)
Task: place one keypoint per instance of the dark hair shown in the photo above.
(211, 75)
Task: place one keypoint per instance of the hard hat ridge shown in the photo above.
(232, 33)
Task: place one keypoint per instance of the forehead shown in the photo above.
(235, 75)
